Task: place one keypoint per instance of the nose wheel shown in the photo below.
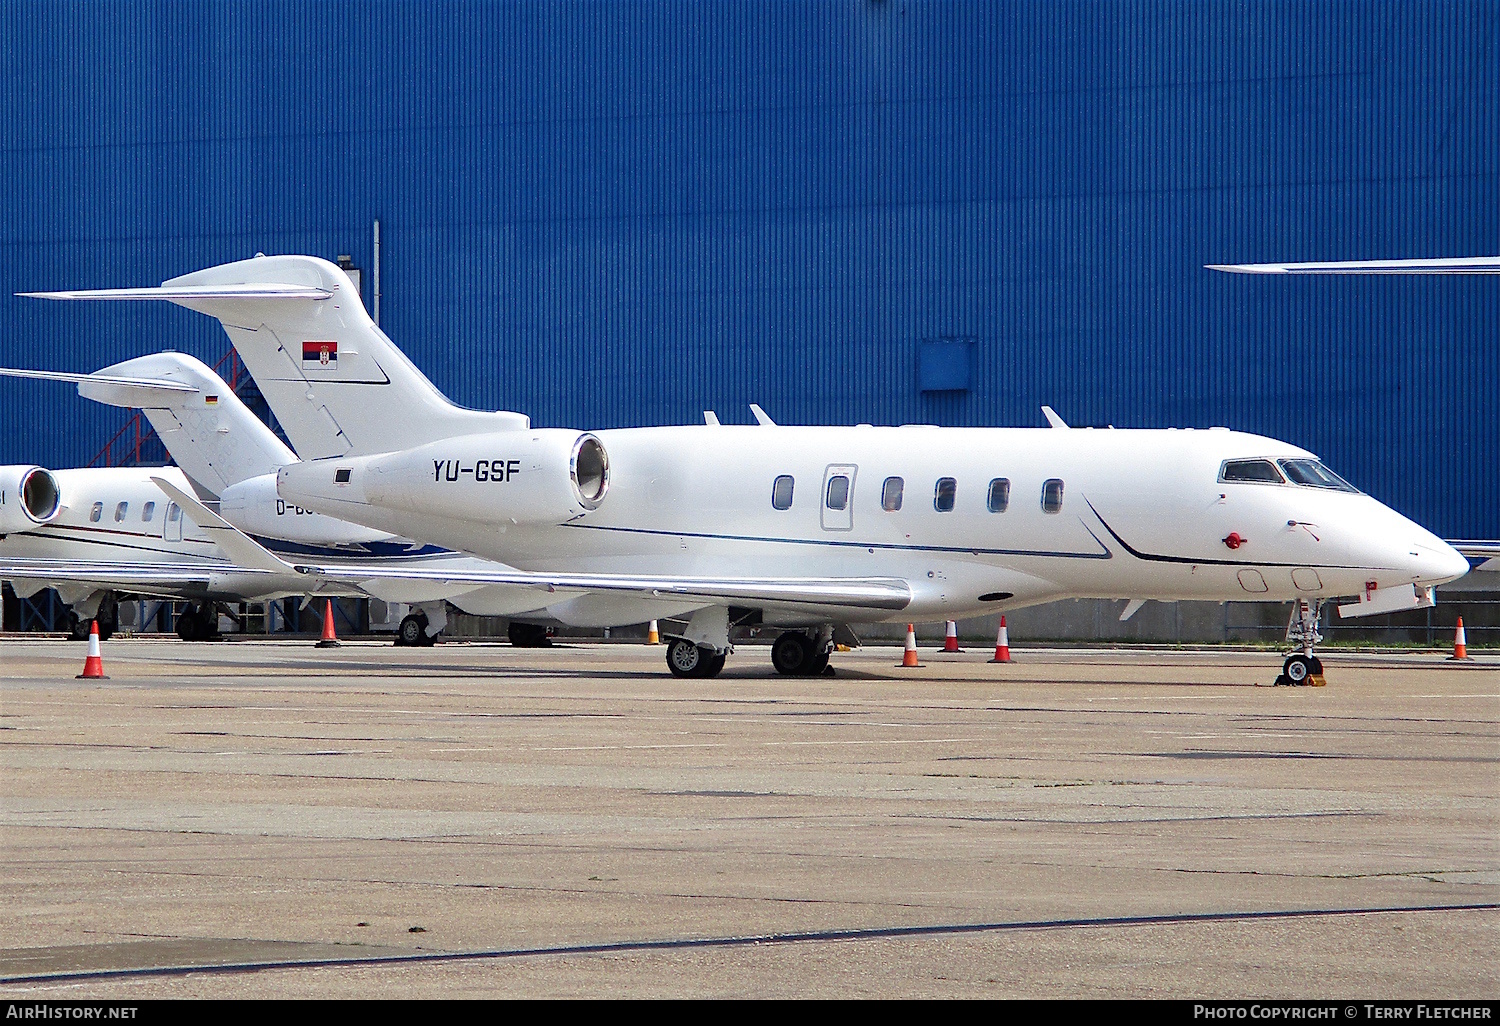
(1302, 668)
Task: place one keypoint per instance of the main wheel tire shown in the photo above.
(791, 653)
(1296, 669)
(77, 627)
(686, 659)
(412, 630)
(816, 665)
(713, 665)
(528, 635)
(188, 626)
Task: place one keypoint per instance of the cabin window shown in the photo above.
(944, 494)
(96, 513)
(147, 512)
(838, 492)
(1314, 475)
(999, 495)
(1052, 491)
(1262, 471)
(174, 513)
(781, 492)
(120, 511)
(890, 494)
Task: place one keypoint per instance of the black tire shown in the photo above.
(108, 617)
(1317, 665)
(792, 653)
(714, 664)
(528, 635)
(412, 630)
(686, 659)
(1296, 669)
(816, 665)
(187, 625)
(77, 628)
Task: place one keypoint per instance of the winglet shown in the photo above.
(710, 418)
(1053, 418)
(1442, 265)
(243, 550)
(761, 417)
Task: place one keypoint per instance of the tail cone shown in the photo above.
(329, 639)
(1002, 644)
(93, 663)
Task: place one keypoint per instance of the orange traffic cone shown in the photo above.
(950, 639)
(329, 639)
(653, 636)
(909, 657)
(1460, 642)
(1002, 644)
(93, 664)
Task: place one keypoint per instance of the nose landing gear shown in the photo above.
(1302, 668)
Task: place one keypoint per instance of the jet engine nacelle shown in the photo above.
(516, 477)
(29, 497)
(254, 507)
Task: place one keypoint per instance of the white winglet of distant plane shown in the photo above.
(1446, 265)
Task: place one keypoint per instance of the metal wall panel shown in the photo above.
(628, 212)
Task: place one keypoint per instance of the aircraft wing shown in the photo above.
(1489, 551)
(1446, 265)
(145, 384)
(853, 592)
(245, 551)
(125, 576)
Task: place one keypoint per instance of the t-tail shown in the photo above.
(338, 385)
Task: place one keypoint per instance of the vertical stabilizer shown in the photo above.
(336, 383)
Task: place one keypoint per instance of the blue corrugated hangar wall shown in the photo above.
(626, 212)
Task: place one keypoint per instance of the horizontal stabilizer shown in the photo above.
(853, 592)
(150, 384)
(180, 293)
(123, 575)
(1451, 265)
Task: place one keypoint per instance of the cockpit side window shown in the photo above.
(1259, 471)
(1312, 474)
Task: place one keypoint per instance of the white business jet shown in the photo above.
(1487, 550)
(808, 529)
(107, 536)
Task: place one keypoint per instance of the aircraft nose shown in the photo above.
(1440, 563)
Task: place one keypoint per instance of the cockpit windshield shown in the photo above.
(1312, 474)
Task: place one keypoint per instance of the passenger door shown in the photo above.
(838, 497)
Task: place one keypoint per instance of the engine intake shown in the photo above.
(29, 497)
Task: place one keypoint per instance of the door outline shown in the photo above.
(838, 519)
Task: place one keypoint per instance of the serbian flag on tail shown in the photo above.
(320, 354)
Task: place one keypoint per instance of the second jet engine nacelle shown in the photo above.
(510, 477)
(29, 497)
(254, 507)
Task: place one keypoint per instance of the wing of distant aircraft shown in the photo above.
(1445, 265)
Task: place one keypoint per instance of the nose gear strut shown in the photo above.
(1302, 668)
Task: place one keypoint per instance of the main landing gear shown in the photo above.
(799, 654)
(413, 631)
(1302, 668)
(686, 659)
(199, 623)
